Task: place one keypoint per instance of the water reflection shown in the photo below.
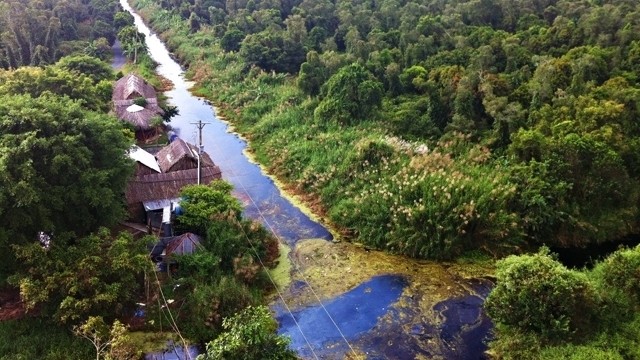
(355, 313)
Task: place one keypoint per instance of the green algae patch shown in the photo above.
(151, 341)
(421, 314)
(281, 274)
(334, 268)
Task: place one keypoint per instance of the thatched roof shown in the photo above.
(125, 92)
(177, 150)
(131, 87)
(167, 185)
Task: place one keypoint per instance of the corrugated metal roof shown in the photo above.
(160, 204)
(143, 157)
(187, 243)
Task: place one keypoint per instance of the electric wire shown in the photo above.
(172, 322)
(304, 278)
(276, 287)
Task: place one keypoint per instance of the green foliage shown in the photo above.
(537, 294)
(62, 168)
(350, 96)
(60, 80)
(85, 65)
(225, 276)
(231, 39)
(620, 272)
(203, 204)
(208, 303)
(36, 338)
(35, 33)
(211, 210)
(272, 50)
(75, 278)
(113, 342)
(544, 311)
(250, 334)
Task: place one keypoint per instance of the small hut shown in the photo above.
(180, 155)
(135, 101)
(185, 244)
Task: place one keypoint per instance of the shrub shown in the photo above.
(250, 334)
(620, 273)
(537, 294)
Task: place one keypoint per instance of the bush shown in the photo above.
(537, 294)
(250, 334)
(620, 273)
(207, 304)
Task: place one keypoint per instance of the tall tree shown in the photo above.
(62, 168)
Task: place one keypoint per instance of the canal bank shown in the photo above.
(334, 288)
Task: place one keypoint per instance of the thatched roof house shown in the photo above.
(159, 179)
(131, 89)
(167, 185)
(180, 155)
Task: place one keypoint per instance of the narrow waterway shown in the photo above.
(395, 311)
(261, 197)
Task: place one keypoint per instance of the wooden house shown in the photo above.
(152, 189)
(165, 248)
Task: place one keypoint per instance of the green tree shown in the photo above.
(231, 39)
(312, 74)
(350, 96)
(62, 168)
(272, 50)
(75, 278)
(84, 65)
(110, 343)
(203, 203)
(250, 334)
(212, 211)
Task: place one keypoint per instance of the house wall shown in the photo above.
(184, 164)
(143, 170)
(136, 212)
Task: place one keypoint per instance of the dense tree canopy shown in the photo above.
(74, 278)
(62, 167)
(39, 33)
(549, 90)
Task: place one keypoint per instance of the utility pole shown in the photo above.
(200, 125)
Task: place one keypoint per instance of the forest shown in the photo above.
(431, 128)
(437, 128)
(428, 128)
(72, 281)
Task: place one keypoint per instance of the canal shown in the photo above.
(342, 299)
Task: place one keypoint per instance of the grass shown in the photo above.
(31, 338)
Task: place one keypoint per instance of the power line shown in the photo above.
(304, 278)
(276, 287)
(271, 279)
(172, 321)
